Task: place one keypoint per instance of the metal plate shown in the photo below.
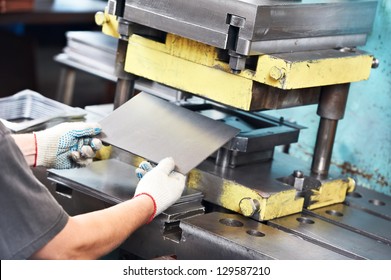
(355, 220)
(110, 180)
(333, 237)
(153, 128)
(227, 236)
(370, 201)
(285, 24)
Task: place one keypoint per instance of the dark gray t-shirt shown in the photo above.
(29, 215)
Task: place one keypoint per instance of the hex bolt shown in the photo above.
(276, 73)
(249, 206)
(298, 182)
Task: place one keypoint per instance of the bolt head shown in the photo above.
(248, 206)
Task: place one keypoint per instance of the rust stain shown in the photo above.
(348, 168)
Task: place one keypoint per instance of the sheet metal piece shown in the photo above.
(355, 220)
(110, 180)
(153, 128)
(228, 236)
(370, 201)
(336, 238)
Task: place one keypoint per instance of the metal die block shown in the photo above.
(330, 192)
(228, 236)
(251, 190)
(328, 235)
(313, 68)
(318, 193)
(355, 220)
(248, 24)
(370, 201)
(277, 81)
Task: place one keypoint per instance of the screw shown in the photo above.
(276, 73)
(248, 206)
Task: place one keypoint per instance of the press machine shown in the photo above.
(242, 57)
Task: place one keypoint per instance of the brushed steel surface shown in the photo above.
(261, 20)
(355, 220)
(333, 237)
(153, 128)
(370, 201)
(229, 236)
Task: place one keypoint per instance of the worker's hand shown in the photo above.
(163, 185)
(67, 145)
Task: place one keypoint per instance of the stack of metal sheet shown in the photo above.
(92, 49)
(29, 110)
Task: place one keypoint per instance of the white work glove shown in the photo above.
(67, 145)
(163, 185)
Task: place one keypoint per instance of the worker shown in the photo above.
(34, 226)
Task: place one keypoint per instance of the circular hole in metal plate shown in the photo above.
(377, 202)
(354, 194)
(334, 213)
(231, 222)
(305, 220)
(254, 232)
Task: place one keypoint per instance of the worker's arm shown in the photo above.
(65, 145)
(26, 144)
(92, 235)
(95, 234)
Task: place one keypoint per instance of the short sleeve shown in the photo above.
(29, 215)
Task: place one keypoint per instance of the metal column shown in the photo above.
(331, 109)
(125, 84)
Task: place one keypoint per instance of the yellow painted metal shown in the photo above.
(230, 194)
(195, 67)
(310, 69)
(331, 192)
(108, 22)
(191, 68)
(264, 206)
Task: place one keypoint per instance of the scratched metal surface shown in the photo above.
(153, 128)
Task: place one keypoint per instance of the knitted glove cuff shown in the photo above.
(46, 150)
(154, 205)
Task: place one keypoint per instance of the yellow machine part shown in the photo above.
(188, 65)
(108, 22)
(331, 192)
(246, 201)
(266, 206)
(311, 69)
(182, 66)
